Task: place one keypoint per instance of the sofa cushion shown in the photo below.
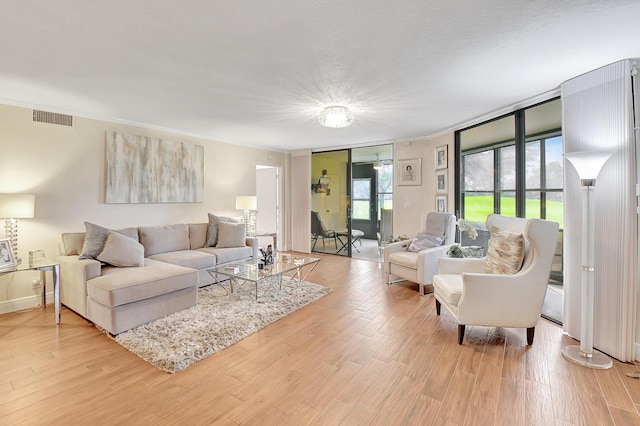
(231, 235)
(118, 286)
(162, 239)
(96, 236)
(120, 250)
(505, 253)
(231, 254)
(187, 258)
(212, 230)
(197, 235)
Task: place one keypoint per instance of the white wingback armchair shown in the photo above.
(420, 267)
(475, 297)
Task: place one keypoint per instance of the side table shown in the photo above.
(44, 265)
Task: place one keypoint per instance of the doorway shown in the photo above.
(352, 199)
(268, 219)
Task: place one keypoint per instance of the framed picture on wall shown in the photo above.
(441, 203)
(441, 181)
(441, 157)
(7, 260)
(410, 171)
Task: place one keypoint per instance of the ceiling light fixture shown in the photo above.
(378, 164)
(336, 116)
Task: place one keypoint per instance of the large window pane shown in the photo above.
(508, 203)
(478, 172)
(507, 174)
(553, 157)
(532, 170)
(477, 206)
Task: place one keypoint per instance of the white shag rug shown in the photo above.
(218, 320)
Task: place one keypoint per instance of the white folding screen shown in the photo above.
(301, 201)
(597, 115)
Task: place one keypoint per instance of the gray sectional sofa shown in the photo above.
(160, 269)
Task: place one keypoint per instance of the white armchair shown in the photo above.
(475, 297)
(420, 267)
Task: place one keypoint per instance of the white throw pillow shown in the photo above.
(424, 241)
(506, 252)
(120, 250)
(231, 235)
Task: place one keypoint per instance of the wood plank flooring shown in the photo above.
(367, 354)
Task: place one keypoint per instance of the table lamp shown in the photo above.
(12, 208)
(248, 204)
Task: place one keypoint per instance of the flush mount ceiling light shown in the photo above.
(336, 116)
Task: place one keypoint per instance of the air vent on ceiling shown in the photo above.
(52, 118)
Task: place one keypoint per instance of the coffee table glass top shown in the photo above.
(249, 270)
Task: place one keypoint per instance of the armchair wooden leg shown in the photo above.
(460, 333)
(437, 307)
(530, 332)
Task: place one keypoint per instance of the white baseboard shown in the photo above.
(23, 303)
(636, 352)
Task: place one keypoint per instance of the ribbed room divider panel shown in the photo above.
(597, 115)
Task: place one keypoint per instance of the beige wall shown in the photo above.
(64, 167)
(411, 202)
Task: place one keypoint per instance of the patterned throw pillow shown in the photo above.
(506, 252)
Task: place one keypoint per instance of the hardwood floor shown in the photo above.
(367, 353)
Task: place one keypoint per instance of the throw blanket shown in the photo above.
(437, 223)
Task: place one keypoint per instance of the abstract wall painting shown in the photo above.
(148, 170)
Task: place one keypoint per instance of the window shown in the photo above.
(361, 199)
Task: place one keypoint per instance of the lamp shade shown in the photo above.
(246, 202)
(588, 163)
(16, 206)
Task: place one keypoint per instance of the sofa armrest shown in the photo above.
(74, 274)
(393, 248)
(255, 247)
(458, 265)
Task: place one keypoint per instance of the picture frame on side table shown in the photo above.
(441, 181)
(441, 157)
(410, 171)
(7, 260)
(441, 203)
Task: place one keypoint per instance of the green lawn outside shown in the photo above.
(478, 207)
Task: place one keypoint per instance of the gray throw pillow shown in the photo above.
(424, 241)
(231, 235)
(94, 240)
(212, 230)
(120, 250)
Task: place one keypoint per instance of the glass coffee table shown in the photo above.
(268, 277)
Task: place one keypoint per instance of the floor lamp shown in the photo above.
(588, 165)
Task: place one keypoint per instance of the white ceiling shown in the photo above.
(257, 72)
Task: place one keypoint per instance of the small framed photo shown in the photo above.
(441, 181)
(441, 157)
(410, 171)
(441, 203)
(7, 260)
